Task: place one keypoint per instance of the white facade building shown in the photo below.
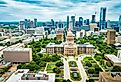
(22, 75)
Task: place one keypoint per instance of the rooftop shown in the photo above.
(62, 45)
(111, 76)
(113, 58)
(23, 75)
(54, 45)
(17, 49)
(85, 45)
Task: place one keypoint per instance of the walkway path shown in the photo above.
(46, 67)
(82, 70)
(66, 69)
(98, 64)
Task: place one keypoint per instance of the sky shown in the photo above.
(44, 10)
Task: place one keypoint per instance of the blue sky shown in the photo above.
(44, 10)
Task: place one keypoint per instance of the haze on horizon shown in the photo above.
(44, 10)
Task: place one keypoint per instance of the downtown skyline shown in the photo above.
(44, 10)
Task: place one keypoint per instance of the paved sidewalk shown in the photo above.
(82, 70)
(66, 69)
(46, 67)
(98, 64)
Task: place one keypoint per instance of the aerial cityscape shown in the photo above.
(60, 41)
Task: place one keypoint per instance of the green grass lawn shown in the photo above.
(50, 67)
(42, 68)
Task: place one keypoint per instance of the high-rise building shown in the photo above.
(35, 23)
(26, 23)
(31, 24)
(80, 21)
(21, 25)
(52, 22)
(67, 22)
(73, 21)
(93, 19)
(86, 22)
(111, 34)
(103, 18)
(60, 24)
(119, 24)
(108, 24)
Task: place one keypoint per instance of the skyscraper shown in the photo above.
(108, 24)
(31, 24)
(35, 23)
(26, 23)
(80, 21)
(52, 22)
(60, 24)
(103, 18)
(73, 21)
(86, 22)
(21, 25)
(67, 22)
(93, 19)
(119, 23)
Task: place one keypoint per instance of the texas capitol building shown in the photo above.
(69, 48)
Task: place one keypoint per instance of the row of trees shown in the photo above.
(98, 42)
(39, 60)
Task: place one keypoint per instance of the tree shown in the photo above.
(32, 66)
(91, 80)
(55, 58)
(42, 64)
(97, 69)
(108, 63)
(60, 63)
(91, 70)
(64, 80)
(56, 70)
(68, 80)
(98, 58)
(58, 80)
(116, 69)
(102, 62)
(88, 64)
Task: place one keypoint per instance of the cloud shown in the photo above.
(45, 10)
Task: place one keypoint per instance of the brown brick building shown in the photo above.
(111, 34)
(110, 77)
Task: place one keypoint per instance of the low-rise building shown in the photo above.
(119, 54)
(110, 77)
(85, 48)
(17, 55)
(54, 48)
(115, 60)
(64, 49)
(23, 75)
(118, 39)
